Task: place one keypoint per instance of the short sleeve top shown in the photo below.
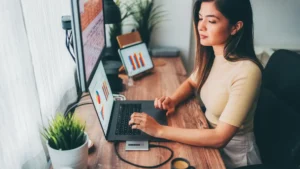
(230, 93)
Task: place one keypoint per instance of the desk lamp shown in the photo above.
(111, 59)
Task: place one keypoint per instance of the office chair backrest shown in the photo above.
(282, 77)
(277, 118)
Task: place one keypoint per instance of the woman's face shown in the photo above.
(214, 29)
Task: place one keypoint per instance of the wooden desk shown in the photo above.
(163, 81)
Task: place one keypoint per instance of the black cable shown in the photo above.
(68, 44)
(71, 40)
(76, 105)
(69, 36)
(84, 96)
(150, 146)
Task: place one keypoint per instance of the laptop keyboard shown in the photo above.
(125, 111)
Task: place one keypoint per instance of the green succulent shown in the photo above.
(64, 133)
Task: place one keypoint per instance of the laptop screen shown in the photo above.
(101, 96)
(136, 59)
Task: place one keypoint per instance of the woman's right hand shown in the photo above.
(165, 103)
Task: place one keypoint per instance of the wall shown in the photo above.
(37, 78)
(177, 27)
(20, 115)
(277, 23)
(54, 68)
(175, 30)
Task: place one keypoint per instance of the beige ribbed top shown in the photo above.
(230, 93)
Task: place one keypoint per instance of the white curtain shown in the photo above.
(37, 77)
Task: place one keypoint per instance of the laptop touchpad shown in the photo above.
(157, 114)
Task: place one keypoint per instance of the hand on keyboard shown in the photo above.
(145, 123)
(125, 111)
(165, 103)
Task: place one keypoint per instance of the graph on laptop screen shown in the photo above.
(88, 23)
(101, 95)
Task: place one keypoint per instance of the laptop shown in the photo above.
(136, 59)
(115, 115)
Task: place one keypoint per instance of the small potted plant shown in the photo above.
(67, 142)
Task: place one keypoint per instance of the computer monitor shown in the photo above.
(89, 37)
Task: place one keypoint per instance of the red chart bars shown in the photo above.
(105, 90)
(142, 59)
(98, 97)
(102, 112)
(99, 102)
(106, 94)
(137, 61)
(132, 62)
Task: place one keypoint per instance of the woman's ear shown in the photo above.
(235, 28)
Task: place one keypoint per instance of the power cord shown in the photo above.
(119, 97)
(69, 43)
(84, 96)
(66, 25)
(73, 106)
(116, 144)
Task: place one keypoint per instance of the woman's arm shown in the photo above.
(183, 91)
(216, 138)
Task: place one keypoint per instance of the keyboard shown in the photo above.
(125, 111)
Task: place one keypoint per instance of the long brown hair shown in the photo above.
(238, 47)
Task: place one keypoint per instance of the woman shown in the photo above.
(227, 75)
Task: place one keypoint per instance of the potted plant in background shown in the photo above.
(67, 142)
(116, 28)
(146, 18)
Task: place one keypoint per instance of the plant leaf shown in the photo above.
(63, 132)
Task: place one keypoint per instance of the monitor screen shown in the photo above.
(89, 31)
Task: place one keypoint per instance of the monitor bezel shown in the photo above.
(76, 28)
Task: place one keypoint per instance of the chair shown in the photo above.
(277, 118)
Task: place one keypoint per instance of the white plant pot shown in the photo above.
(70, 159)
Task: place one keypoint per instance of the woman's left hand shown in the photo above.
(145, 123)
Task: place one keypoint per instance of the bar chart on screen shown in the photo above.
(137, 60)
(98, 98)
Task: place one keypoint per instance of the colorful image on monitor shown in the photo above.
(93, 34)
